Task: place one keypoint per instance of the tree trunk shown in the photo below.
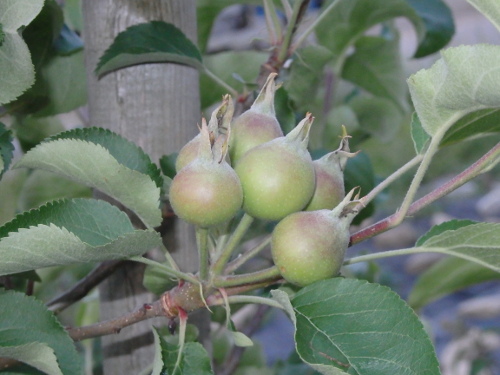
(157, 107)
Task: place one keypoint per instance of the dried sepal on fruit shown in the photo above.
(329, 171)
(257, 125)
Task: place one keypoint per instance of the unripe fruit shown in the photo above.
(278, 176)
(257, 125)
(207, 191)
(329, 171)
(309, 246)
(218, 124)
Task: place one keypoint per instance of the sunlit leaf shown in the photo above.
(93, 165)
(349, 326)
(24, 321)
(462, 82)
(490, 8)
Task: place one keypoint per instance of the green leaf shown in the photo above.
(17, 13)
(418, 135)
(348, 20)
(349, 326)
(25, 320)
(376, 66)
(65, 84)
(439, 25)
(42, 187)
(194, 359)
(157, 280)
(156, 41)
(93, 165)
(18, 73)
(6, 148)
(69, 232)
(227, 65)
(447, 276)
(463, 81)
(305, 74)
(206, 14)
(480, 123)
(2, 35)
(36, 354)
(377, 116)
(124, 151)
(167, 165)
(490, 8)
(478, 243)
(443, 227)
(10, 186)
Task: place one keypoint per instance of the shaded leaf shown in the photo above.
(377, 116)
(439, 25)
(93, 165)
(25, 320)
(359, 173)
(480, 123)
(447, 276)
(443, 227)
(124, 151)
(157, 280)
(418, 135)
(478, 243)
(305, 74)
(42, 187)
(194, 360)
(48, 245)
(490, 8)
(376, 66)
(151, 42)
(6, 148)
(167, 165)
(350, 19)
(226, 66)
(349, 326)
(463, 81)
(36, 354)
(10, 186)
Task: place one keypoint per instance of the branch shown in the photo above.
(84, 286)
(485, 163)
(108, 327)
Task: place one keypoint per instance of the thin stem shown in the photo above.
(486, 162)
(298, 11)
(272, 22)
(419, 175)
(169, 270)
(247, 299)
(389, 180)
(247, 255)
(231, 245)
(268, 274)
(392, 253)
(313, 25)
(221, 83)
(202, 240)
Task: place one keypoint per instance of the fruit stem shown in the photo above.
(221, 83)
(268, 274)
(389, 180)
(247, 255)
(247, 299)
(202, 242)
(231, 245)
(173, 272)
(393, 253)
